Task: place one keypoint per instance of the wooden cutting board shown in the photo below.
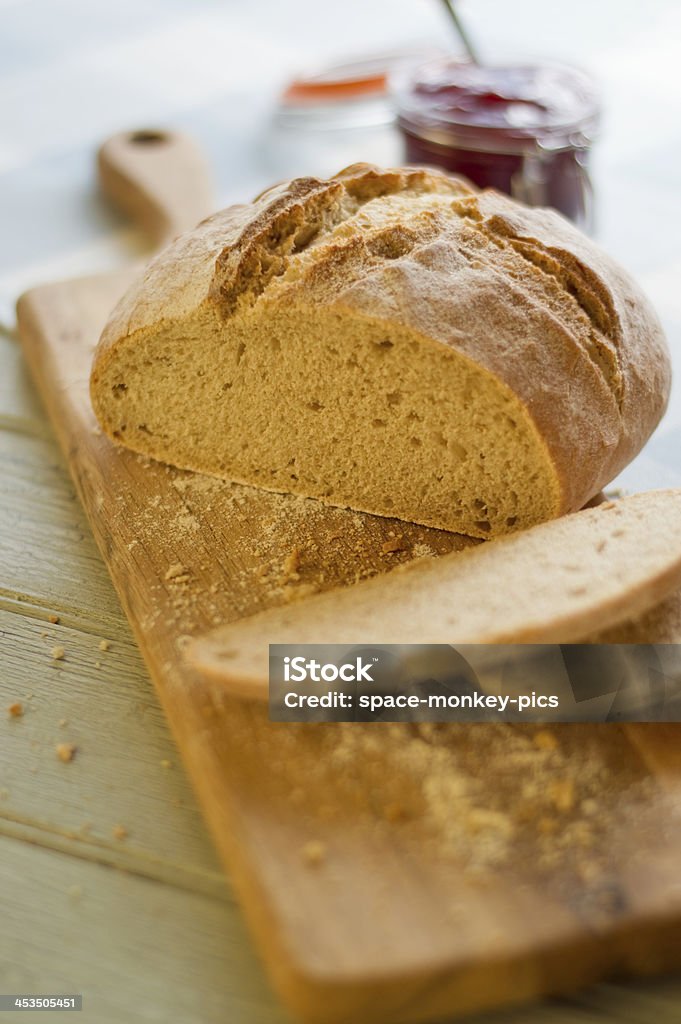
(389, 872)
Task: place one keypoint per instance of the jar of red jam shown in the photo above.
(524, 129)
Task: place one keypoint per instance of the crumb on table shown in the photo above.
(119, 832)
(66, 752)
(16, 709)
(58, 653)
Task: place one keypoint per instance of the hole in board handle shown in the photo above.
(147, 138)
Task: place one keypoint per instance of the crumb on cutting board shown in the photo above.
(16, 709)
(497, 797)
(58, 653)
(66, 751)
(395, 544)
(54, 619)
(119, 832)
(562, 793)
(291, 565)
(285, 548)
(314, 852)
(177, 573)
(104, 645)
(546, 740)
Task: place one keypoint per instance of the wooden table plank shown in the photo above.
(47, 553)
(20, 407)
(138, 951)
(125, 770)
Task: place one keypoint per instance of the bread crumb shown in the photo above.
(421, 550)
(165, 763)
(66, 752)
(396, 544)
(98, 664)
(104, 645)
(63, 722)
(54, 619)
(16, 709)
(176, 571)
(314, 852)
(58, 653)
(588, 871)
(75, 892)
(562, 793)
(291, 565)
(482, 819)
(545, 740)
(119, 832)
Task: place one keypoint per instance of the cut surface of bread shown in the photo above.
(390, 341)
(558, 582)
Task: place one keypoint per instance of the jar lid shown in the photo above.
(338, 84)
(350, 93)
(509, 107)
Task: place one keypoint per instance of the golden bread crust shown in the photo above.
(518, 291)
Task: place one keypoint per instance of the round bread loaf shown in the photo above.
(393, 341)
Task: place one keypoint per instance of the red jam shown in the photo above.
(525, 130)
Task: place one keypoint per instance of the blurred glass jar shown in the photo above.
(523, 129)
(339, 116)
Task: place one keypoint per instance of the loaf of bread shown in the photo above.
(558, 582)
(393, 341)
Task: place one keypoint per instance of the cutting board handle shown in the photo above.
(159, 178)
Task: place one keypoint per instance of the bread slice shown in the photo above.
(392, 341)
(555, 583)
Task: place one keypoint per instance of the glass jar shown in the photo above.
(524, 129)
(339, 115)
